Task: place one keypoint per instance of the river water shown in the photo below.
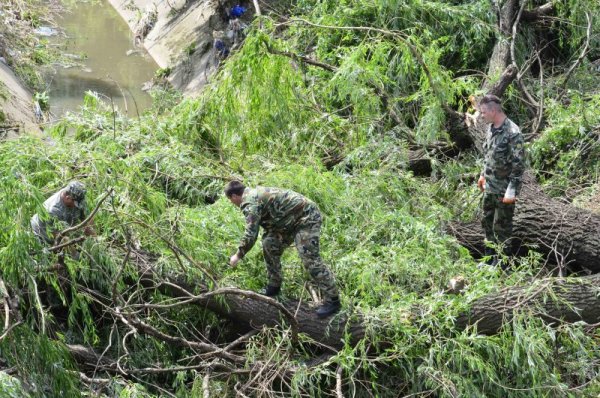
(96, 32)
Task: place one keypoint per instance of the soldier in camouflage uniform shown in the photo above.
(287, 217)
(501, 179)
(65, 208)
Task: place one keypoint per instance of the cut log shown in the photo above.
(555, 300)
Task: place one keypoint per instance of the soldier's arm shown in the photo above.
(252, 213)
(515, 178)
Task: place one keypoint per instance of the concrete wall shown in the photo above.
(180, 23)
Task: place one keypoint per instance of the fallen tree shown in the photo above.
(568, 236)
(555, 300)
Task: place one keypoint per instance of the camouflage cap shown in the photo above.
(76, 190)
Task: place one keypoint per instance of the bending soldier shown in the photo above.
(286, 217)
(501, 178)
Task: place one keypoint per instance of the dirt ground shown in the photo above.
(16, 104)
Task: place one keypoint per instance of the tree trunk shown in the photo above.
(555, 300)
(330, 332)
(256, 314)
(567, 235)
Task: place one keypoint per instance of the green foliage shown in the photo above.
(163, 73)
(43, 100)
(269, 119)
(11, 387)
(41, 363)
(567, 154)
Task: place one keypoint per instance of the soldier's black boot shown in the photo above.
(492, 257)
(328, 308)
(271, 291)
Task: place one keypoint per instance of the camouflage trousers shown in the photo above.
(497, 221)
(306, 239)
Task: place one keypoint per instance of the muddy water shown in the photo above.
(95, 32)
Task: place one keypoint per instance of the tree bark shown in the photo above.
(555, 300)
(500, 58)
(332, 331)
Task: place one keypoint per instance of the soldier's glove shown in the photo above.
(509, 196)
(481, 183)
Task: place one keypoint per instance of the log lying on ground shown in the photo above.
(555, 300)
(240, 307)
(569, 236)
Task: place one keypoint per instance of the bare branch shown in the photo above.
(257, 7)
(10, 328)
(38, 303)
(338, 382)
(67, 243)
(206, 379)
(300, 58)
(584, 52)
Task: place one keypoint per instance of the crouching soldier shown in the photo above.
(66, 208)
(286, 217)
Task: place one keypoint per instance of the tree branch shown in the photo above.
(584, 52)
(82, 224)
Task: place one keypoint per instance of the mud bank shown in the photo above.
(16, 105)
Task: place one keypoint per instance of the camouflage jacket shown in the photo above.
(271, 208)
(504, 162)
(59, 214)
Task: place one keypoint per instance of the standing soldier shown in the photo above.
(286, 217)
(502, 176)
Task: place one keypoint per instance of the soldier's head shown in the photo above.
(234, 191)
(73, 194)
(490, 107)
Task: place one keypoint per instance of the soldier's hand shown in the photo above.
(89, 231)
(481, 183)
(509, 201)
(234, 260)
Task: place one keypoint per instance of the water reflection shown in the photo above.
(97, 32)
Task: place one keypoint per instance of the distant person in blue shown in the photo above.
(237, 11)
(225, 41)
(236, 28)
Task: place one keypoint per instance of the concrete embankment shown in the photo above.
(178, 35)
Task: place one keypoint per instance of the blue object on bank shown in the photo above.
(237, 11)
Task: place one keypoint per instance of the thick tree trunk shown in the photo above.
(569, 236)
(331, 332)
(500, 58)
(555, 300)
